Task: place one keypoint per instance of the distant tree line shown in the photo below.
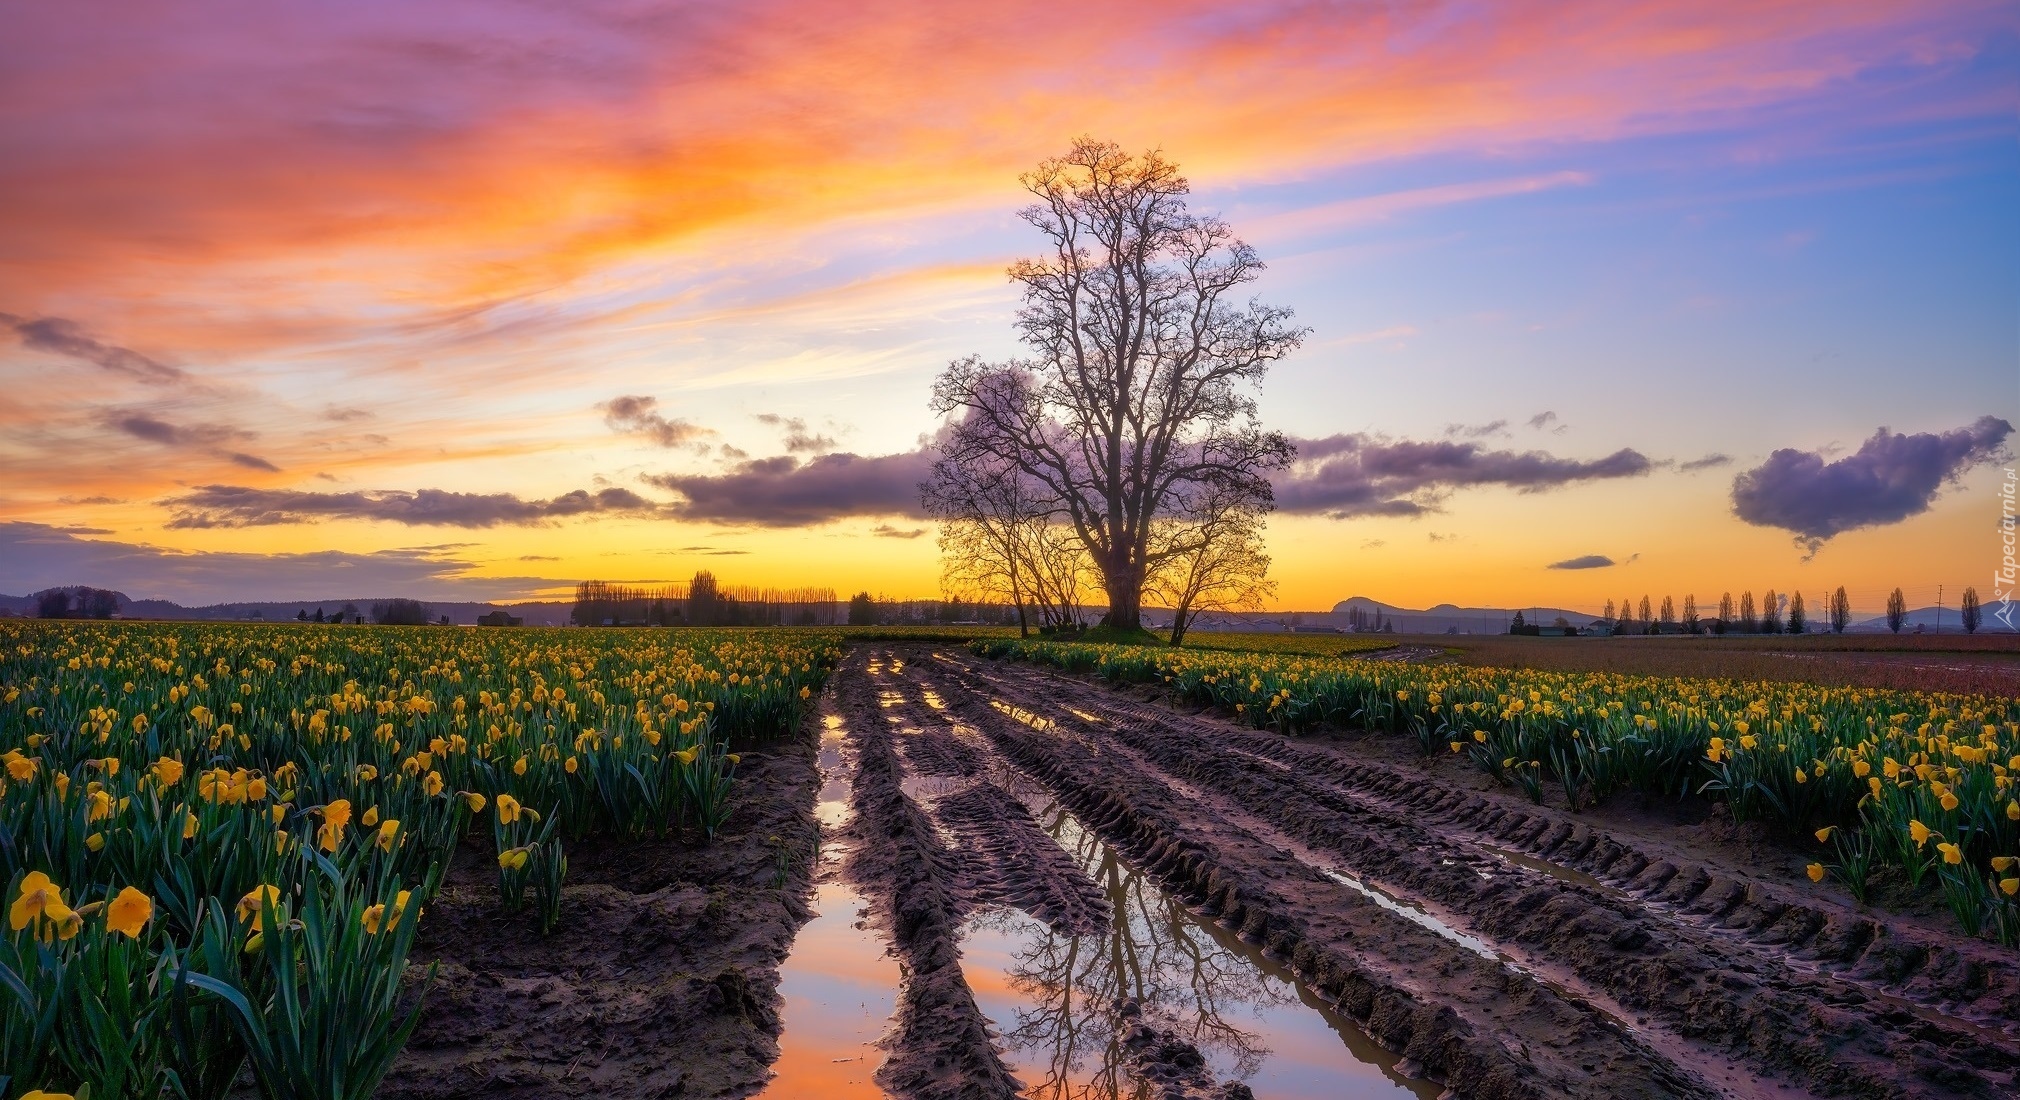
(349, 613)
(868, 610)
(1773, 613)
(700, 602)
(77, 602)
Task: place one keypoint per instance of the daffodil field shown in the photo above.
(1923, 783)
(218, 841)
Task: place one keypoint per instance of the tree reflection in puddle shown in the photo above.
(1052, 997)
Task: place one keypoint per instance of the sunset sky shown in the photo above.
(469, 300)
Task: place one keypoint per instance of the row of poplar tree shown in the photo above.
(1773, 614)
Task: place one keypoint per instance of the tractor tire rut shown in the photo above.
(1756, 989)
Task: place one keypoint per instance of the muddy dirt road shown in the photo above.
(1078, 882)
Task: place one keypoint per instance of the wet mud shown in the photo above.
(1730, 983)
(980, 879)
(660, 982)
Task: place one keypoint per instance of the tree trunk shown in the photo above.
(1125, 601)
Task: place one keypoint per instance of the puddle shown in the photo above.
(1050, 997)
(1036, 722)
(1544, 866)
(839, 984)
(1414, 915)
(926, 788)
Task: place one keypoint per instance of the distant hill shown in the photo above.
(1445, 617)
(1926, 618)
(536, 613)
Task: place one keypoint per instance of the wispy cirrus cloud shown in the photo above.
(61, 336)
(211, 438)
(239, 506)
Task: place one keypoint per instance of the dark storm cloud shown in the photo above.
(1368, 475)
(68, 338)
(35, 556)
(239, 506)
(637, 414)
(1588, 561)
(1890, 478)
(799, 439)
(787, 492)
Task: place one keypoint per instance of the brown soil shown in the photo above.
(1500, 948)
(1646, 959)
(661, 980)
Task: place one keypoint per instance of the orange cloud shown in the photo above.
(438, 155)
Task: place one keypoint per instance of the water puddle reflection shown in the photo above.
(1052, 997)
(1523, 859)
(839, 984)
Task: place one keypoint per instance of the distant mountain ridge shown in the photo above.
(1445, 616)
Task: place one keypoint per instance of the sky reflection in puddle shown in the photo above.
(839, 984)
(1049, 995)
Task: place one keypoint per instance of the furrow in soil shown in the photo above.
(1816, 995)
(1486, 1030)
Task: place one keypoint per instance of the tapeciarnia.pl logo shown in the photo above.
(2003, 577)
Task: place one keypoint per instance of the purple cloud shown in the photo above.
(239, 506)
(1368, 475)
(35, 556)
(68, 338)
(637, 414)
(1890, 478)
(788, 492)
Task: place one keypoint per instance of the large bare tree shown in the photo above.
(1137, 396)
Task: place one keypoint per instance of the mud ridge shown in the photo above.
(1486, 1031)
(1705, 951)
(940, 1046)
(662, 979)
(1010, 861)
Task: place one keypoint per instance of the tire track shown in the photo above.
(939, 1048)
(1707, 953)
(1487, 1031)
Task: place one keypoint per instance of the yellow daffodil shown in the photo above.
(129, 912)
(33, 900)
(254, 905)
